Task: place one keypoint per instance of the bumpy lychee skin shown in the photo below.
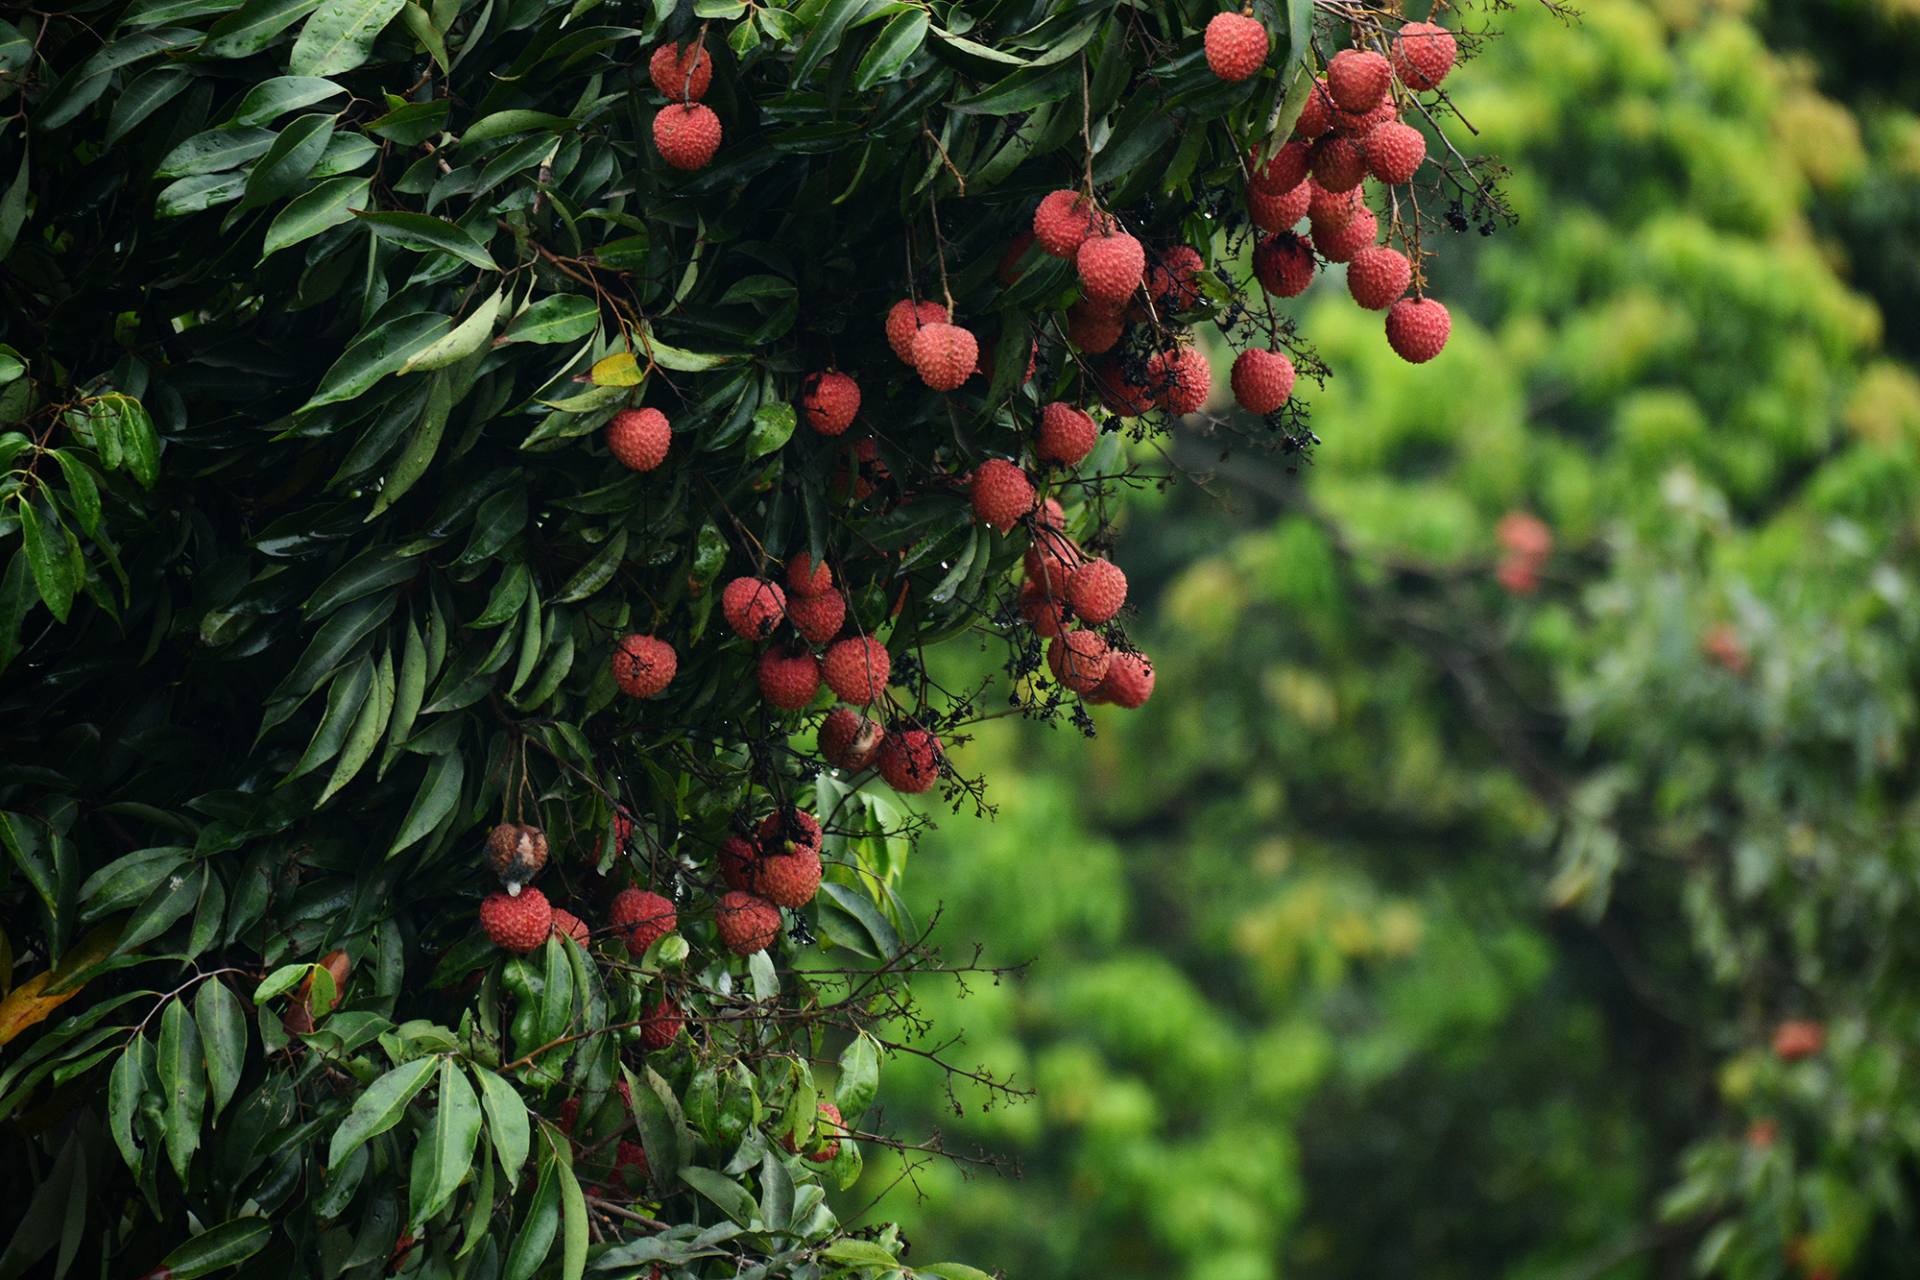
(517, 851)
(1284, 265)
(1394, 152)
(1078, 660)
(737, 858)
(1262, 380)
(1329, 211)
(630, 1157)
(830, 401)
(818, 618)
(1051, 515)
(746, 923)
(1181, 380)
(1050, 561)
(1063, 220)
(787, 829)
(638, 438)
(904, 319)
(1046, 614)
(909, 760)
(805, 578)
(1096, 590)
(945, 355)
(641, 918)
(687, 134)
(1284, 170)
(1275, 213)
(1236, 46)
(1423, 53)
(1316, 114)
(789, 879)
(1377, 275)
(1339, 163)
(753, 607)
(643, 665)
(660, 1025)
(1066, 434)
(1358, 79)
(1417, 329)
(1341, 245)
(517, 922)
(1128, 682)
(849, 740)
(1119, 392)
(857, 668)
(788, 680)
(1111, 266)
(681, 72)
(1358, 124)
(1174, 281)
(567, 924)
(827, 1131)
(1095, 327)
(1001, 494)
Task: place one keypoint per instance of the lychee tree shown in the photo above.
(448, 448)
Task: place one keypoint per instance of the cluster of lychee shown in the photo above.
(686, 131)
(1348, 131)
(1526, 544)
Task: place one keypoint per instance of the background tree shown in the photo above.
(1489, 877)
(451, 442)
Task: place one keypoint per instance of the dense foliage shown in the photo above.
(429, 426)
(1460, 922)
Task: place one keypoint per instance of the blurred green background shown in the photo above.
(1426, 926)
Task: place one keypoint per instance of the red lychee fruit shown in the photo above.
(1358, 79)
(1359, 124)
(630, 1157)
(1423, 53)
(1341, 245)
(1723, 647)
(904, 320)
(788, 680)
(1518, 575)
(945, 355)
(1063, 220)
(849, 740)
(909, 760)
(1095, 326)
(687, 134)
(1276, 213)
(660, 1025)
(641, 918)
(1051, 515)
(1394, 151)
(1339, 163)
(681, 72)
(1096, 590)
(789, 879)
(1330, 211)
(1119, 392)
(1377, 275)
(1046, 614)
(736, 858)
(1284, 265)
(805, 578)
(1078, 660)
(786, 830)
(746, 924)
(1111, 266)
(1284, 170)
(638, 438)
(1066, 434)
(571, 925)
(1174, 282)
(1008, 272)
(1001, 494)
(1128, 681)
(753, 607)
(818, 618)
(1798, 1038)
(1316, 115)
(517, 922)
(857, 668)
(1417, 329)
(1050, 561)
(1524, 534)
(827, 1131)
(1236, 46)
(1262, 380)
(830, 400)
(1181, 380)
(643, 665)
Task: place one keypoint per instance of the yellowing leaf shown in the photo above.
(617, 370)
